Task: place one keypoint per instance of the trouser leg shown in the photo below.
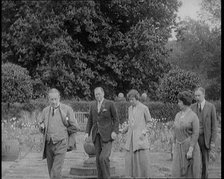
(58, 152)
(204, 156)
(57, 166)
(98, 149)
(50, 158)
(104, 159)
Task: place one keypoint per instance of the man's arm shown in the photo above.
(213, 125)
(114, 118)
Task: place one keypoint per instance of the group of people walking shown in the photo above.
(194, 134)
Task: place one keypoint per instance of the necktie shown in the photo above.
(199, 106)
(54, 108)
(98, 107)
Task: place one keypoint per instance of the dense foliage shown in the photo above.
(16, 83)
(78, 45)
(198, 47)
(177, 80)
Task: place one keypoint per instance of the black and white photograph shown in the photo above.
(111, 89)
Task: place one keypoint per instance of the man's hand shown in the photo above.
(86, 136)
(113, 135)
(212, 152)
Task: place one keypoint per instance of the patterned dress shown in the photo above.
(186, 132)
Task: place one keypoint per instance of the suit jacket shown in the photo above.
(141, 116)
(209, 122)
(66, 112)
(105, 122)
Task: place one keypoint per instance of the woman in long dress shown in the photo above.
(137, 145)
(187, 159)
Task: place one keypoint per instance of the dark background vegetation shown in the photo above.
(77, 45)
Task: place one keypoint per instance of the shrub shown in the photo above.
(16, 83)
(39, 89)
(12, 111)
(164, 112)
(213, 91)
(175, 81)
(37, 104)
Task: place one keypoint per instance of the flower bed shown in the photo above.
(23, 129)
(159, 135)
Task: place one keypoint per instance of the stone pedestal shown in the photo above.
(88, 169)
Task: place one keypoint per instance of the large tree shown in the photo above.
(211, 14)
(193, 38)
(77, 45)
(198, 46)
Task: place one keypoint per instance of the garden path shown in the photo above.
(31, 166)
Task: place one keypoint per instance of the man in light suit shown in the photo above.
(54, 121)
(103, 122)
(208, 130)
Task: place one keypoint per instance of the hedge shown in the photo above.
(162, 111)
(158, 110)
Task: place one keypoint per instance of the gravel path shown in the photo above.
(31, 166)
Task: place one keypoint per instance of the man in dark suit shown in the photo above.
(54, 121)
(103, 122)
(208, 130)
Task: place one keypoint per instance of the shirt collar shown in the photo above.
(55, 107)
(202, 104)
(101, 101)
